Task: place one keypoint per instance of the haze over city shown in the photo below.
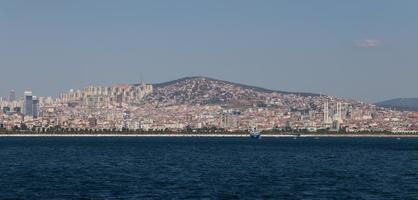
(355, 49)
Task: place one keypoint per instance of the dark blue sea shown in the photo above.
(208, 168)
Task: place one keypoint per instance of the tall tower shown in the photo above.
(28, 104)
(141, 80)
(35, 106)
(326, 112)
(12, 95)
(224, 120)
(338, 115)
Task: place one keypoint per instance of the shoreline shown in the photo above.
(211, 135)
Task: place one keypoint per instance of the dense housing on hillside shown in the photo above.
(197, 103)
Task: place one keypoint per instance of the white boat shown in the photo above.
(255, 134)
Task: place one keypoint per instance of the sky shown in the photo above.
(360, 49)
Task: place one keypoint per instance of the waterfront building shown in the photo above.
(336, 125)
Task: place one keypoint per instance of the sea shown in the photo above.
(208, 168)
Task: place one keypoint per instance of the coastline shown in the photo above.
(214, 135)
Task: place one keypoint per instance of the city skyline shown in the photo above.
(199, 103)
(364, 51)
(15, 94)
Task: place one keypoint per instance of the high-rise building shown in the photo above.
(336, 125)
(35, 106)
(12, 95)
(326, 113)
(339, 113)
(28, 104)
(224, 120)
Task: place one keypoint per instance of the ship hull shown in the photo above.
(255, 136)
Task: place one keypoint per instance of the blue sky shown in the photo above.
(366, 50)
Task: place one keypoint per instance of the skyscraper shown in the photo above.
(35, 106)
(326, 113)
(28, 104)
(12, 95)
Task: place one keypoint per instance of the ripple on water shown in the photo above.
(212, 168)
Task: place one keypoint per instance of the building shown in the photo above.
(28, 104)
(17, 109)
(92, 122)
(12, 95)
(6, 109)
(35, 106)
(224, 120)
(99, 96)
(326, 113)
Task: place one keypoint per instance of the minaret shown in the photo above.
(142, 80)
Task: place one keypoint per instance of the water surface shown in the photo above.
(211, 168)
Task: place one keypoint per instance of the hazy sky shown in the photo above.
(367, 50)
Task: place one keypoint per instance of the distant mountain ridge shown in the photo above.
(402, 104)
(255, 88)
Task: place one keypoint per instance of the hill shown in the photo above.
(403, 104)
(255, 88)
(205, 90)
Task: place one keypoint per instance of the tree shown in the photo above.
(23, 126)
(188, 128)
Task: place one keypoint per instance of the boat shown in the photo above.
(255, 134)
(295, 135)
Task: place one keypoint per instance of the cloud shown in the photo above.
(369, 43)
